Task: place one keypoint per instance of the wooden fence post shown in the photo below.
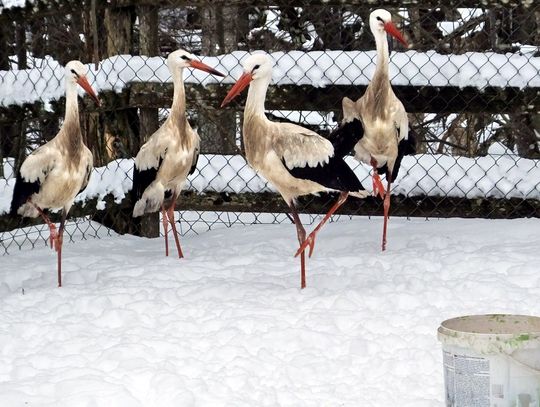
(148, 117)
(217, 128)
(121, 132)
(121, 126)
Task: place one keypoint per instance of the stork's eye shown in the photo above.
(256, 67)
(380, 19)
(74, 73)
(185, 58)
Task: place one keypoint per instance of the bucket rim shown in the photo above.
(491, 333)
(518, 324)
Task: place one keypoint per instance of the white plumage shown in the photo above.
(164, 162)
(297, 161)
(53, 175)
(383, 116)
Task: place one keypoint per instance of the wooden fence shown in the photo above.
(95, 30)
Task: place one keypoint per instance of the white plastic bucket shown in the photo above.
(491, 360)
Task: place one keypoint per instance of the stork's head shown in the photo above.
(76, 73)
(181, 59)
(381, 21)
(257, 67)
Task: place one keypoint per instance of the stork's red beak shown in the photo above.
(203, 67)
(238, 87)
(83, 82)
(391, 29)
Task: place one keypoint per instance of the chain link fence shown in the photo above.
(469, 80)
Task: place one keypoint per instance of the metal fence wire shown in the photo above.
(469, 81)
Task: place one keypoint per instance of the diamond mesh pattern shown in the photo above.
(469, 82)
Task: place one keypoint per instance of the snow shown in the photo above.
(500, 174)
(44, 81)
(447, 27)
(115, 179)
(228, 325)
(13, 3)
(273, 18)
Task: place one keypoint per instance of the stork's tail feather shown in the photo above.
(146, 194)
(150, 201)
(146, 205)
(140, 208)
(21, 193)
(360, 194)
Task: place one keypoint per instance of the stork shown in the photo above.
(386, 136)
(170, 154)
(297, 161)
(53, 174)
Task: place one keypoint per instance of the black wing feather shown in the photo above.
(22, 192)
(405, 147)
(345, 137)
(195, 161)
(86, 178)
(336, 174)
(142, 179)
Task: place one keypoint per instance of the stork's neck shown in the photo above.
(381, 43)
(178, 108)
(256, 97)
(71, 124)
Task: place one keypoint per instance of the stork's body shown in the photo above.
(297, 161)
(53, 175)
(386, 126)
(170, 154)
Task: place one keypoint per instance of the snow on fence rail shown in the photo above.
(500, 174)
(44, 80)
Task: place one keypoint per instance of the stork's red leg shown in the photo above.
(52, 227)
(301, 233)
(58, 246)
(170, 215)
(165, 229)
(378, 187)
(310, 241)
(386, 206)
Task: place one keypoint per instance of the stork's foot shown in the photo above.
(310, 241)
(53, 238)
(58, 242)
(378, 187)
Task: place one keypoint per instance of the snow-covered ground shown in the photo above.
(229, 326)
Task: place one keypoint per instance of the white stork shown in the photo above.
(170, 154)
(297, 161)
(53, 175)
(386, 136)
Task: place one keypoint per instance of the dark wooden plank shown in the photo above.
(420, 99)
(118, 216)
(421, 206)
(40, 8)
(417, 99)
(328, 3)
